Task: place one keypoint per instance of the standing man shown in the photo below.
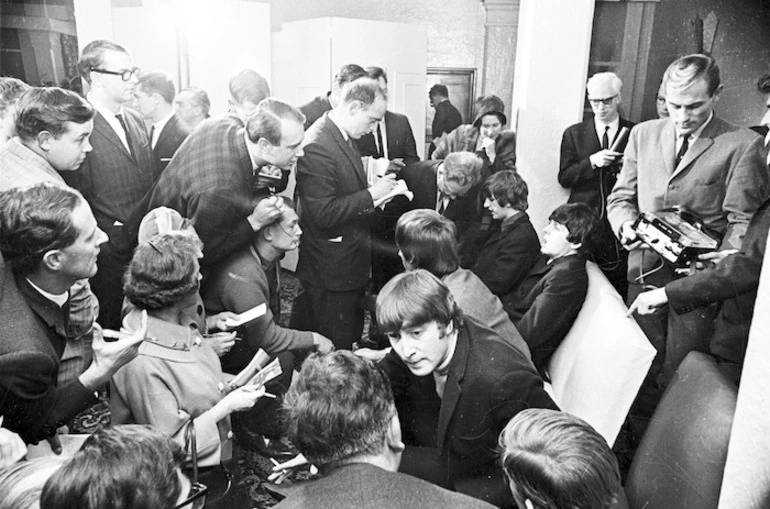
(119, 170)
(247, 89)
(155, 97)
(214, 180)
(192, 105)
(694, 160)
(335, 202)
(315, 109)
(589, 169)
(446, 119)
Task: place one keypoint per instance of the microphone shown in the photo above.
(620, 140)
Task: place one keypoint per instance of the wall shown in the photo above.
(455, 28)
(741, 47)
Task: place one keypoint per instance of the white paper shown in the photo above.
(247, 316)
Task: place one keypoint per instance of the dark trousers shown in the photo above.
(107, 284)
(337, 315)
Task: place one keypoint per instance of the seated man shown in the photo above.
(131, 467)
(554, 460)
(458, 382)
(342, 417)
(546, 303)
(511, 251)
(49, 240)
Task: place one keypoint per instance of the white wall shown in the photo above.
(548, 92)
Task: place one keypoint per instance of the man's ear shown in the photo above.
(53, 259)
(44, 140)
(393, 436)
(718, 91)
(264, 146)
(576, 246)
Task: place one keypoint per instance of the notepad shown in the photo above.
(247, 316)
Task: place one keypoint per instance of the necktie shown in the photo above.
(606, 138)
(128, 136)
(380, 149)
(682, 150)
(440, 206)
(152, 135)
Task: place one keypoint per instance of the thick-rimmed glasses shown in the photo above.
(125, 74)
(606, 101)
(196, 498)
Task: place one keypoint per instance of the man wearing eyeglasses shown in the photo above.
(589, 169)
(119, 170)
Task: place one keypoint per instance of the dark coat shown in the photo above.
(545, 305)
(31, 345)
(169, 140)
(315, 109)
(488, 383)
(365, 486)
(446, 119)
(508, 255)
(334, 209)
(734, 281)
(401, 142)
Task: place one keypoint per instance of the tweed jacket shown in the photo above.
(334, 209)
(169, 141)
(723, 178)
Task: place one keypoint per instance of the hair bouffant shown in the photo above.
(164, 270)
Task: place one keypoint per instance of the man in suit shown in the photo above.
(219, 178)
(154, 98)
(247, 89)
(192, 106)
(461, 380)
(49, 239)
(119, 170)
(446, 119)
(589, 169)
(315, 109)
(694, 160)
(342, 418)
(335, 202)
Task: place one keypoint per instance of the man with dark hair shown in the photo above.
(154, 98)
(456, 385)
(10, 91)
(763, 86)
(335, 200)
(130, 466)
(315, 109)
(217, 178)
(546, 303)
(589, 169)
(342, 418)
(247, 89)
(693, 160)
(49, 239)
(119, 170)
(446, 119)
(192, 106)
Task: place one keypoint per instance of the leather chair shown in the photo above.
(681, 458)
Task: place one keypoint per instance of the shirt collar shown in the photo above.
(58, 299)
(250, 146)
(106, 113)
(443, 369)
(612, 125)
(333, 118)
(160, 124)
(508, 221)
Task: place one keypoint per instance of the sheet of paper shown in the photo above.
(247, 316)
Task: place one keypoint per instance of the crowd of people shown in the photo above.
(135, 230)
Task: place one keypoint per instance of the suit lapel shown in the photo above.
(590, 138)
(699, 146)
(166, 134)
(668, 143)
(103, 128)
(347, 149)
(452, 388)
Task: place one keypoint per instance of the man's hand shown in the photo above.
(219, 321)
(266, 212)
(648, 302)
(282, 470)
(713, 258)
(604, 158)
(395, 165)
(382, 187)
(628, 237)
(108, 357)
(323, 345)
(221, 342)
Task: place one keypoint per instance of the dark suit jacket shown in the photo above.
(31, 344)
(545, 305)
(446, 119)
(111, 180)
(169, 140)
(733, 281)
(760, 129)
(488, 383)
(365, 486)
(209, 181)
(508, 255)
(334, 209)
(586, 184)
(398, 132)
(315, 109)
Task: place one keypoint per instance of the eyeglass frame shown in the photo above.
(202, 491)
(122, 74)
(605, 101)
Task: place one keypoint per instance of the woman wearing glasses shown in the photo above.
(177, 376)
